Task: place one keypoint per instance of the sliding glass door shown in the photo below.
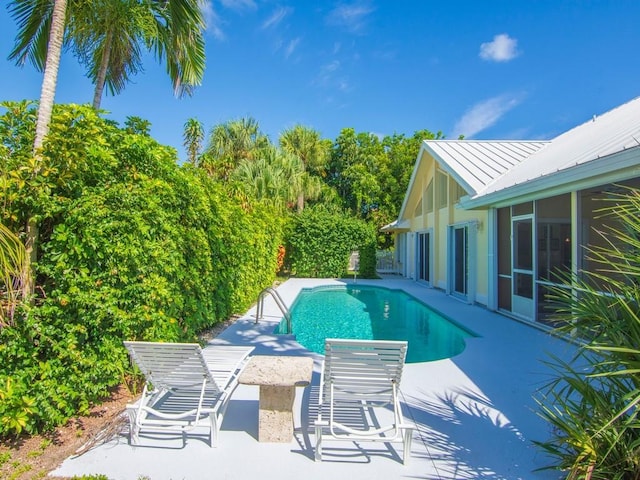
(459, 260)
(424, 256)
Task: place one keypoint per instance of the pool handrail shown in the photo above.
(278, 299)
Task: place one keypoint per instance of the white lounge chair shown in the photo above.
(359, 378)
(185, 385)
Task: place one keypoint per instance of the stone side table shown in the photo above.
(277, 377)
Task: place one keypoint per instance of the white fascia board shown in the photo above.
(613, 168)
(414, 174)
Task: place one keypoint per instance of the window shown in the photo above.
(429, 197)
(442, 192)
(418, 210)
(553, 227)
(458, 192)
(522, 209)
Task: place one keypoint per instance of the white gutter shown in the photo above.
(610, 169)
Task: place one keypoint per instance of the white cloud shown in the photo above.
(211, 19)
(276, 17)
(485, 114)
(330, 77)
(327, 72)
(239, 5)
(352, 17)
(293, 44)
(502, 49)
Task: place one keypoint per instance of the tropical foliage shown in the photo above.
(193, 136)
(358, 172)
(230, 143)
(371, 175)
(124, 243)
(312, 151)
(592, 403)
(13, 273)
(132, 246)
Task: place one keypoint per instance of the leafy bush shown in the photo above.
(132, 246)
(320, 242)
(592, 403)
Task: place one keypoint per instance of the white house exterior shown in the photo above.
(494, 222)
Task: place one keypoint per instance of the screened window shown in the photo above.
(418, 210)
(442, 191)
(553, 218)
(429, 197)
(458, 192)
(522, 209)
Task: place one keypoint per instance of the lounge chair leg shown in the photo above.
(318, 455)
(133, 427)
(406, 452)
(213, 434)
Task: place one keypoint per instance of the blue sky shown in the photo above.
(510, 69)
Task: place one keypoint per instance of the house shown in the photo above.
(497, 222)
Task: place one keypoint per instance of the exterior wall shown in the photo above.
(438, 221)
(416, 208)
(563, 204)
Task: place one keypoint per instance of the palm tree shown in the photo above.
(277, 178)
(41, 35)
(193, 137)
(106, 35)
(40, 38)
(230, 143)
(262, 180)
(306, 144)
(107, 38)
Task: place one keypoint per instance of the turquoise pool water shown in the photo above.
(374, 313)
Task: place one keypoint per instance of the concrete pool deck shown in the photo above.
(475, 415)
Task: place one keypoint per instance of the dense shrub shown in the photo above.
(132, 246)
(368, 260)
(320, 242)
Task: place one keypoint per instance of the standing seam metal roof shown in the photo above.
(478, 163)
(612, 132)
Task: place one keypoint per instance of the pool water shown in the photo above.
(373, 313)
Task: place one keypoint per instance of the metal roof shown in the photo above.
(475, 164)
(596, 152)
(615, 131)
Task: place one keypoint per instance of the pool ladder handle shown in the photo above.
(278, 299)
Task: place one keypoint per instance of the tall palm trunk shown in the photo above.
(48, 91)
(45, 110)
(102, 73)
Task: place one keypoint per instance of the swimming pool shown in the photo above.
(371, 312)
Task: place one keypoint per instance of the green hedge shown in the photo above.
(132, 246)
(320, 243)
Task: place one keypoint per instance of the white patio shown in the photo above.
(475, 415)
